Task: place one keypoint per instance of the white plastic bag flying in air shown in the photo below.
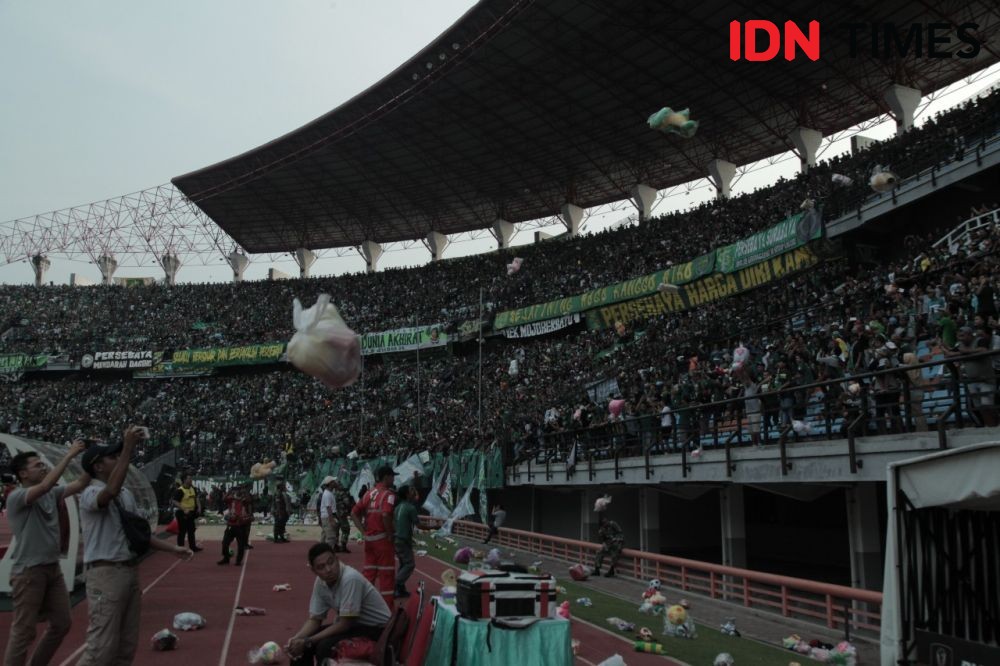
(323, 345)
(514, 266)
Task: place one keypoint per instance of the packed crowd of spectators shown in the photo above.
(823, 323)
(77, 320)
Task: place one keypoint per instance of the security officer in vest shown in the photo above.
(188, 508)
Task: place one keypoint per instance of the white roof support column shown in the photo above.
(108, 266)
(40, 263)
(503, 231)
(437, 243)
(806, 142)
(171, 264)
(721, 173)
(903, 102)
(571, 215)
(238, 262)
(644, 197)
(305, 258)
(371, 251)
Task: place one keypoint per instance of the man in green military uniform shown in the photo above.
(344, 504)
(405, 521)
(612, 540)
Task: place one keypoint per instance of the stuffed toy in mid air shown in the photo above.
(883, 180)
(668, 121)
(261, 470)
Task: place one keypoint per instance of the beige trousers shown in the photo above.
(114, 599)
(39, 594)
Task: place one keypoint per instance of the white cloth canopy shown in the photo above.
(964, 478)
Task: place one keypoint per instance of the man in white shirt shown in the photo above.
(328, 512)
(37, 585)
(113, 593)
(359, 607)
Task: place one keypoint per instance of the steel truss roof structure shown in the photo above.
(519, 107)
(525, 105)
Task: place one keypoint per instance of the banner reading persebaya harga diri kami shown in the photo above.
(707, 290)
(621, 291)
(788, 234)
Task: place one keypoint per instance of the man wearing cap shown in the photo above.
(373, 516)
(328, 511)
(888, 387)
(36, 581)
(114, 597)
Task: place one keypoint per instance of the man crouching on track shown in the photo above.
(360, 609)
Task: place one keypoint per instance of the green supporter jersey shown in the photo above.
(404, 520)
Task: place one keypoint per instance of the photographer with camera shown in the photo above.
(113, 594)
(39, 590)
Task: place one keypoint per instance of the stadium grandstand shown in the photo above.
(739, 377)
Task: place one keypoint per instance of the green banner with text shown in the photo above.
(219, 356)
(595, 298)
(20, 362)
(713, 288)
(788, 234)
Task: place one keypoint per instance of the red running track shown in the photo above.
(171, 586)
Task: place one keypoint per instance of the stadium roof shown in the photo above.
(522, 106)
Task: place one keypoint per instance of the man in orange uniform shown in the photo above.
(373, 517)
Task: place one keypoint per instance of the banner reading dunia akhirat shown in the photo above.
(404, 339)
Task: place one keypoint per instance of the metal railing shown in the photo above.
(834, 606)
(961, 235)
(940, 401)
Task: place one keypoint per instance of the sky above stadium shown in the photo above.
(102, 99)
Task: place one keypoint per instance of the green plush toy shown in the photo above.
(667, 120)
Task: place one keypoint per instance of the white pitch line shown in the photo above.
(232, 616)
(76, 653)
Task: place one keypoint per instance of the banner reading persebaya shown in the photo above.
(707, 290)
(788, 234)
(622, 291)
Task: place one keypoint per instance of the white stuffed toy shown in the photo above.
(668, 121)
(667, 287)
(883, 180)
(740, 356)
(801, 428)
(323, 346)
